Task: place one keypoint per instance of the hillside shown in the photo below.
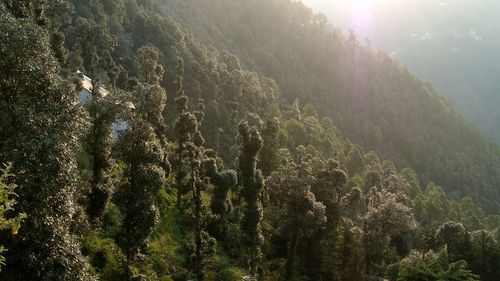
(461, 37)
(229, 141)
(374, 101)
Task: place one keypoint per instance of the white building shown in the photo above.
(85, 96)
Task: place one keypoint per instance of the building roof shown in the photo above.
(87, 85)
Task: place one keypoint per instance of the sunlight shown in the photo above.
(361, 12)
(358, 14)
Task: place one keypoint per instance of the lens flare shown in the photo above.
(361, 13)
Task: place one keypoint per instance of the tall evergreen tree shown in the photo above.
(185, 127)
(197, 185)
(269, 152)
(223, 181)
(252, 183)
(327, 189)
(41, 126)
(142, 154)
(98, 141)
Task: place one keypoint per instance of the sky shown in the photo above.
(384, 21)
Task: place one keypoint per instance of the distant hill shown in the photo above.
(452, 44)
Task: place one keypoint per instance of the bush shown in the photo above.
(230, 274)
(105, 256)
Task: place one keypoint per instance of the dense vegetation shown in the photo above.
(373, 100)
(222, 173)
(460, 36)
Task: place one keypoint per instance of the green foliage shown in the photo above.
(7, 220)
(220, 206)
(430, 267)
(143, 155)
(355, 161)
(387, 217)
(302, 215)
(252, 183)
(41, 126)
(269, 153)
(290, 211)
(98, 144)
(105, 256)
(373, 99)
(230, 274)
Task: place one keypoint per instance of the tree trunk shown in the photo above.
(198, 243)
(178, 177)
(291, 257)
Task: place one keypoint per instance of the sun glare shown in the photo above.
(358, 14)
(361, 12)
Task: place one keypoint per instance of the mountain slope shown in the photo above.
(460, 36)
(160, 199)
(375, 101)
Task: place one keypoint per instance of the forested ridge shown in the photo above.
(260, 144)
(374, 100)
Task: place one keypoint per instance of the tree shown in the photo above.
(185, 127)
(456, 238)
(223, 181)
(372, 179)
(90, 39)
(485, 255)
(41, 125)
(386, 218)
(34, 10)
(8, 221)
(303, 215)
(252, 183)
(430, 267)
(142, 150)
(105, 106)
(295, 110)
(355, 161)
(195, 155)
(310, 111)
(269, 153)
(142, 154)
(326, 187)
(98, 144)
(350, 253)
(151, 96)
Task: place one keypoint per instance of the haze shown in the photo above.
(454, 45)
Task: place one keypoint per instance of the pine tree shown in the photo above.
(252, 183)
(98, 144)
(327, 189)
(185, 127)
(142, 151)
(196, 154)
(220, 206)
(142, 154)
(269, 153)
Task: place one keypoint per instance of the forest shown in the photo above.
(229, 140)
